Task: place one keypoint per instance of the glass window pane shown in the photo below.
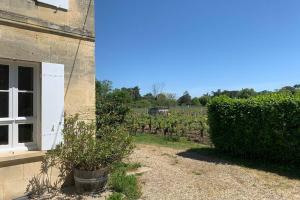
(25, 78)
(4, 135)
(4, 104)
(4, 77)
(25, 104)
(25, 133)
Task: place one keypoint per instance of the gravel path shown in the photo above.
(177, 177)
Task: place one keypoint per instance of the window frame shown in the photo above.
(61, 4)
(13, 119)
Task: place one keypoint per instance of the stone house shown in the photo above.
(47, 67)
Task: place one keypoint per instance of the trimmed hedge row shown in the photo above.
(266, 127)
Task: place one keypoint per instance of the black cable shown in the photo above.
(76, 54)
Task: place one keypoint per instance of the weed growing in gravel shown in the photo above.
(197, 173)
(124, 185)
(116, 196)
(126, 166)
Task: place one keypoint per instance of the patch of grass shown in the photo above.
(174, 138)
(181, 143)
(126, 166)
(116, 196)
(126, 185)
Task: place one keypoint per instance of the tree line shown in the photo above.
(157, 98)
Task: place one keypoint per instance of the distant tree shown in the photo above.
(297, 92)
(246, 93)
(204, 100)
(135, 93)
(122, 96)
(217, 93)
(185, 99)
(143, 103)
(171, 98)
(264, 92)
(157, 89)
(297, 86)
(148, 96)
(161, 100)
(195, 101)
(131, 97)
(103, 88)
(229, 93)
(172, 102)
(288, 89)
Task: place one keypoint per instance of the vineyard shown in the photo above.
(179, 122)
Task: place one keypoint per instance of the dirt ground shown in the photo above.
(174, 175)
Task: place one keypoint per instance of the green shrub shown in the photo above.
(110, 112)
(82, 150)
(124, 184)
(266, 126)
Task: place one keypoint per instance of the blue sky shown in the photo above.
(198, 45)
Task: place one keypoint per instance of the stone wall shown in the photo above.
(22, 174)
(31, 32)
(74, 17)
(27, 45)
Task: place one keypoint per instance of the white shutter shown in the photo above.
(52, 105)
(57, 3)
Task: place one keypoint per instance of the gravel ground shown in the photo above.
(71, 195)
(177, 177)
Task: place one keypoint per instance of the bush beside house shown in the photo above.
(89, 158)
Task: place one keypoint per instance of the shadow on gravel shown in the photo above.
(212, 156)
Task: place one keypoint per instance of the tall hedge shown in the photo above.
(266, 127)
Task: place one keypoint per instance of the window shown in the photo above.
(57, 3)
(31, 105)
(19, 89)
(4, 90)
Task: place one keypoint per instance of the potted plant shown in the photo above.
(90, 153)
